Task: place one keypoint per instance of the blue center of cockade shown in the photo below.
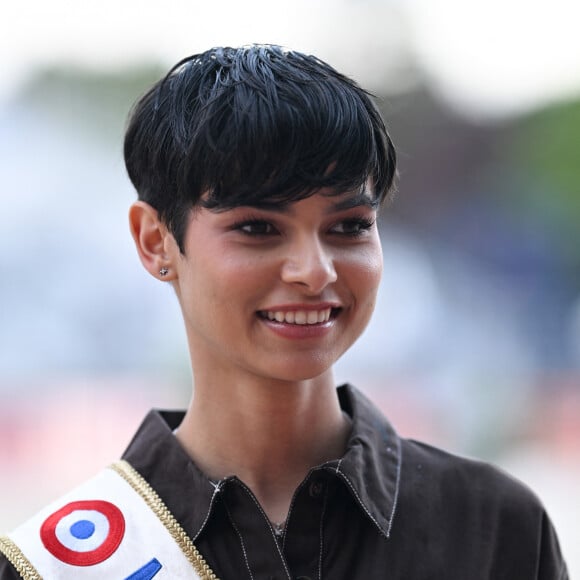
(82, 529)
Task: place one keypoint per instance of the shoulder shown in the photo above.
(464, 481)
(457, 470)
(471, 508)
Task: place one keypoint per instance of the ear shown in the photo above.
(155, 245)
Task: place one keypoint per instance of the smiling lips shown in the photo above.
(298, 317)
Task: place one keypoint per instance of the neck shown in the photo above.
(268, 435)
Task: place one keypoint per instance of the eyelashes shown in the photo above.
(351, 227)
(255, 227)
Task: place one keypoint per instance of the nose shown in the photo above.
(309, 264)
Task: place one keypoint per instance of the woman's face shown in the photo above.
(278, 294)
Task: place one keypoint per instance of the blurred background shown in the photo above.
(475, 345)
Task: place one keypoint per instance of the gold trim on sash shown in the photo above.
(155, 503)
(18, 559)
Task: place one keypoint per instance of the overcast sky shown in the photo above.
(486, 58)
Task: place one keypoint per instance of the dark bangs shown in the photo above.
(258, 126)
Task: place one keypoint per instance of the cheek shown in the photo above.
(372, 281)
(361, 272)
(368, 268)
(368, 296)
(235, 283)
(376, 266)
(369, 277)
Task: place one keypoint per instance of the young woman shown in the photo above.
(260, 172)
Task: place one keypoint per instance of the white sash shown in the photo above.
(114, 527)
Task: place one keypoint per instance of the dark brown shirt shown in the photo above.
(390, 508)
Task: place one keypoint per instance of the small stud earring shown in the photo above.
(163, 272)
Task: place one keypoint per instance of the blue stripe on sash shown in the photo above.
(146, 572)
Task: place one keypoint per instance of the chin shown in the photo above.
(298, 369)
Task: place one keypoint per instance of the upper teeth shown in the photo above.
(300, 316)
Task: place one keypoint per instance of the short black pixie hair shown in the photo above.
(257, 125)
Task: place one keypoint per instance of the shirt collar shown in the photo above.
(157, 455)
(370, 467)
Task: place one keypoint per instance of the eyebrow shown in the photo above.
(347, 201)
(359, 199)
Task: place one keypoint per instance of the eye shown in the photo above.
(255, 227)
(353, 227)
